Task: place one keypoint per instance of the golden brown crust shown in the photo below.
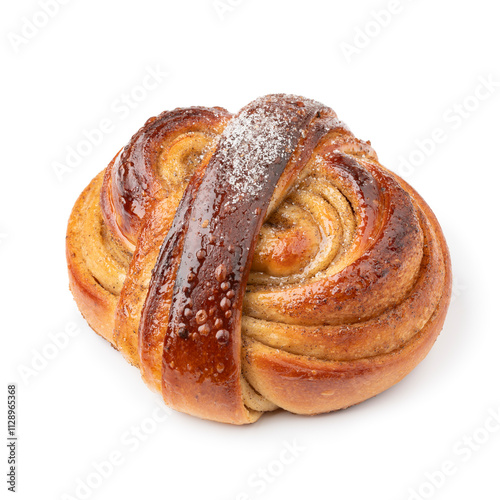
(97, 304)
(348, 271)
(311, 385)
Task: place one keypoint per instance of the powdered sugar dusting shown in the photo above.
(258, 137)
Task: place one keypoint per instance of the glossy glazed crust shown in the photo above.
(333, 290)
(320, 386)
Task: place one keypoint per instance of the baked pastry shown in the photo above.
(258, 261)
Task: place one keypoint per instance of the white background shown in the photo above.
(410, 77)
